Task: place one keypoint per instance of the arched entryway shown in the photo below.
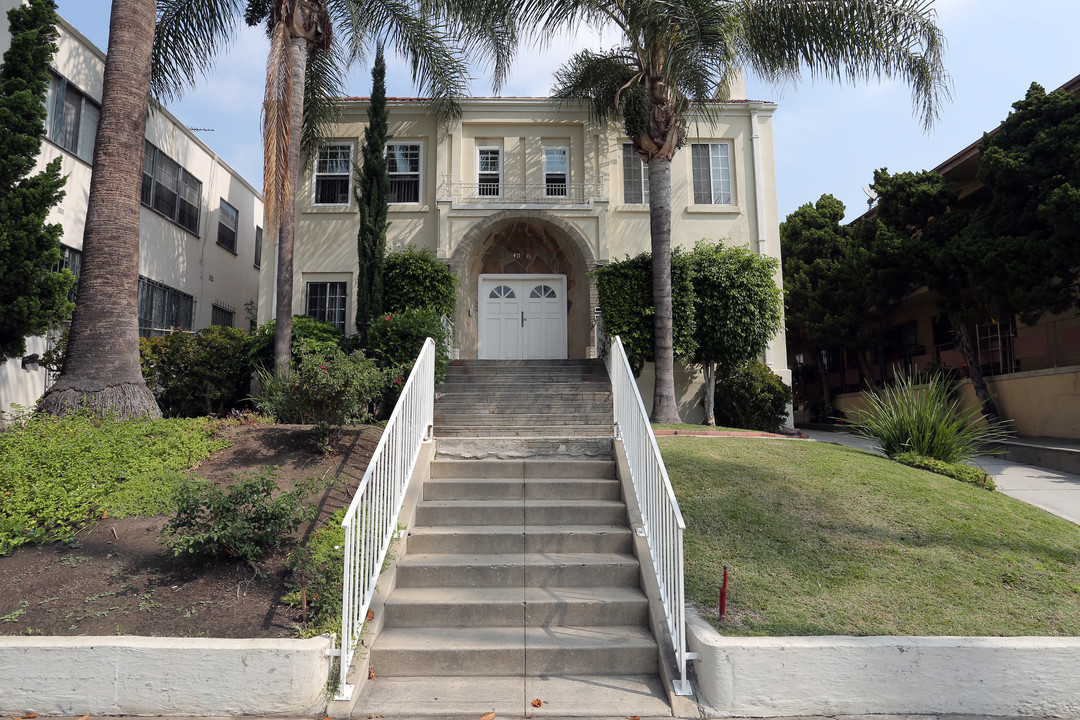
(531, 267)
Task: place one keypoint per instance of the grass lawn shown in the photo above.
(828, 540)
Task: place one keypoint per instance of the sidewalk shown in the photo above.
(1052, 490)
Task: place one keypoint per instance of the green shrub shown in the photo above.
(957, 471)
(316, 332)
(326, 388)
(752, 397)
(207, 373)
(244, 520)
(395, 340)
(319, 565)
(56, 475)
(414, 278)
(930, 420)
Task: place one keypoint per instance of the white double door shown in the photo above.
(522, 317)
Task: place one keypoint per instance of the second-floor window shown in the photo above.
(72, 118)
(170, 189)
(711, 167)
(635, 177)
(258, 248)
(489, 172)
(556, 171)
(403, 167)
(228, 222)
(332, 174)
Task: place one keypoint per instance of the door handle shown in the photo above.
(522, 318)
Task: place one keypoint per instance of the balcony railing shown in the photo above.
(545, 193)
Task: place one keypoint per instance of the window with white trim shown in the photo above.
(72, 117)
(556, 171)
(228, 222)
(635, 177)
(403, 167)
(333, 174)
(711, 166)
(489, 171)
(170, 189)
(326, 302)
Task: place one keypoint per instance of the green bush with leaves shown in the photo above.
(318, 565)
(58, 475)
(396, 339)
(207, 373)
(752, 396)
(315, 332)
(928, 420)
(415, 278)
(626, 301)
(327, 387)
(247, 520)
(957, 471)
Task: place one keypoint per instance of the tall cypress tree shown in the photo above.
(372, 189)
(33, 298)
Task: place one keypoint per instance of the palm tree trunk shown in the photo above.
(664, 409)
(978, 382)
(287, 231)
(101, 368)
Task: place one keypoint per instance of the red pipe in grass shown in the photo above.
(723, 596)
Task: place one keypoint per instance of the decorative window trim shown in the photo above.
(337, 176)
(489, 184)
(712, 195)
(225, 213)
(400, 175)
(629, 158)
(549, 186)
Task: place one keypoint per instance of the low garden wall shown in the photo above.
(778, 676)
(75, 676)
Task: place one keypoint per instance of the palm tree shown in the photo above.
(101, 368)
(678, 56)
(304, 71)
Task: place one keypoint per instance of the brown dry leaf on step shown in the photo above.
(28, 716)
(488, 716)
(370, 616)
(84, 717)
(537, 703)
(633, 717)
(370, 673)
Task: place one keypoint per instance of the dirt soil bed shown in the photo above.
(117, 579)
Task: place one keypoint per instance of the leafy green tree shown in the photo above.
(738, 309)
(677, 55)
(33, 298)
(372, 190)
(415, 278)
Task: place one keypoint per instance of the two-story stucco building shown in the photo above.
(522, 197)
(200, 231)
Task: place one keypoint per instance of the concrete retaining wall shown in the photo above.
(76, 676)
(770, 677)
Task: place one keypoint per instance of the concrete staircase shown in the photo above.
(524, 398)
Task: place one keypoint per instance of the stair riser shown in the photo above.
(483, 515)
(521, 431)
(508, 614)
(512, 662)
(509, 543)
(452, 489)
(518, 469)
(433, 575)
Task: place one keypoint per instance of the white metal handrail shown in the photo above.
(661, 517)
(371, 520)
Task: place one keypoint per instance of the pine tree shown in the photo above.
(33, 298)
(372, 189)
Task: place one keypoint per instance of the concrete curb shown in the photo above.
(130, 675)
(784, 676)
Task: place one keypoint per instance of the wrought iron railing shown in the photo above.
(661, 518)
(545, 193)
(371, 520)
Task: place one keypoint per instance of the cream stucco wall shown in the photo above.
(600, 224)
(168, 253)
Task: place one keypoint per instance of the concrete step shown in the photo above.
(507, 539)
(533, 489)
(521, 512)
(608, 696)
(513, 570)
(532, 418)
(524, 468)
(502, 651)
(521, 431)
(541, 448)
(534, 607)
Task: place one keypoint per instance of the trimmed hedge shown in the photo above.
(957, 471)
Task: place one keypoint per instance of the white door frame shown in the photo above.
(487, 281)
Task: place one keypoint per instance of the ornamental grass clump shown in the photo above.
(928, 420)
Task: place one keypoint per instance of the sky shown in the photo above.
(829, 138)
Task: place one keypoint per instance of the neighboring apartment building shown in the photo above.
(200, 229)
(1033, 370)
(522, 197)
